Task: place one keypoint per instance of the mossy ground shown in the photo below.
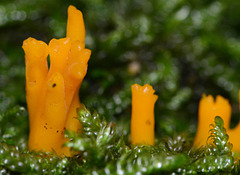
(182, 48)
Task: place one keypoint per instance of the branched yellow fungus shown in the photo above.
(52, 94)
(142, 120)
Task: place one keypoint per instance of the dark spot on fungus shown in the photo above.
(45, 127)
(148, 122)
(54, 85)
(57, 131)
(45, 123)
(63, 130)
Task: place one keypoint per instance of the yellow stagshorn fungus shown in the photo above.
(208, 109)
(142, 120)
(52, 95)
(234, 134)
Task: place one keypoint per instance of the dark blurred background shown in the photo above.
(182, 48)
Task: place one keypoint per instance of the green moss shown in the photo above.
(100, 148)
(182, 48)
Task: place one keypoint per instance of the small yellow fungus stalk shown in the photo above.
(142, 120)
(234, 134)
(208, 109)
(52, 94)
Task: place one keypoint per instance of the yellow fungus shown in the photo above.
(53, 94)
(142, 120)
(234, 134)
(208, 109)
